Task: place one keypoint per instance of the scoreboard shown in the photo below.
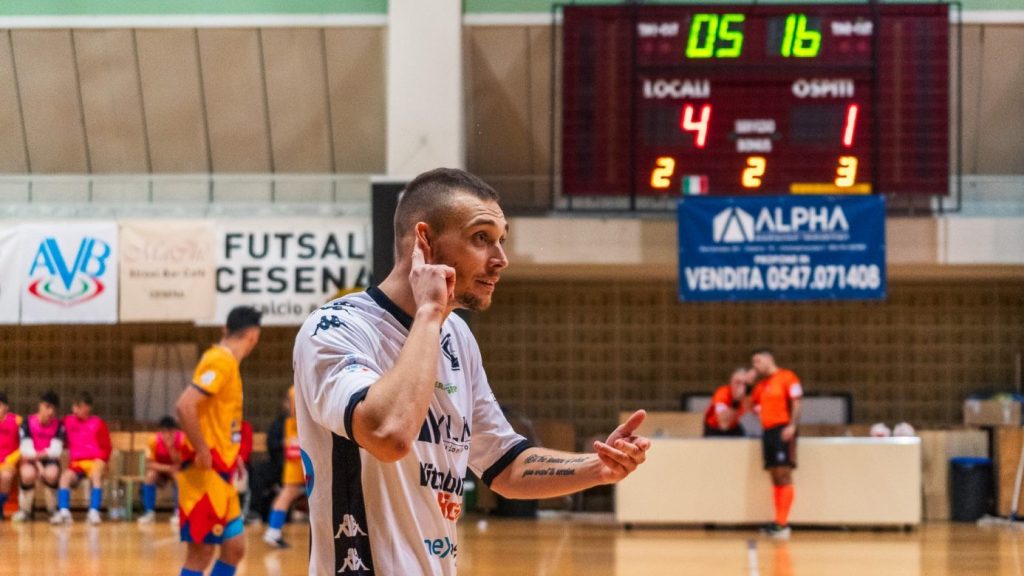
(755, 99)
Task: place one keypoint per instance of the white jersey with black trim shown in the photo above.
(390, 519)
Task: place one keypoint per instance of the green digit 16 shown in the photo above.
(715, 27)
(799, 41)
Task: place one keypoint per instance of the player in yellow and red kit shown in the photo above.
(210, 413)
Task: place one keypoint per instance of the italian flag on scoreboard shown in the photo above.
(694, 185)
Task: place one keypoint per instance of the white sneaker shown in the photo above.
(275, 541)
(93, 517)
(174, 520)
(20, 516)
(147, 518)
(61, 517)
(777, 532)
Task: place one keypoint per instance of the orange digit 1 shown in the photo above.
(754, 171)
(664, 168)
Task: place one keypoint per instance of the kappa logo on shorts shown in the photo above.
(353, 563)
(349, 528)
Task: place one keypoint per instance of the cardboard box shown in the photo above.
(991, 413)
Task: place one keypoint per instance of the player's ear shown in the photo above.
(422, 239)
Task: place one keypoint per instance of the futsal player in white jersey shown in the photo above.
(393, 403)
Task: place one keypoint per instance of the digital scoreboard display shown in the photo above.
(755, 99)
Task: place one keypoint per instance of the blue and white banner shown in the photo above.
(69, 274)
(782, 248)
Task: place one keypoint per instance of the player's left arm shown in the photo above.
(103, 441)
(789, 432)
(544, 473)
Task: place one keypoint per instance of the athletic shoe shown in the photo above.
(174, 520)
(20, 516)
(93, 517)
(61, 517)
(776, 531)
(147, 518)
(275, 542)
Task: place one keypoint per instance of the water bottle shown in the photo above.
(116, 509)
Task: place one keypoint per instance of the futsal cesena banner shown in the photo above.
(68, 272)
(287, 268)
(782, 248)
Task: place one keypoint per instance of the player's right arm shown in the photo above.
(388, 420)
(187, 410)
(27, 446)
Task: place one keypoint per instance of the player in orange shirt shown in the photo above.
(722, 418)
(210, 413)
(163, 457)
(777, 397)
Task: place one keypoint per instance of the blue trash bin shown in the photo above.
(970, 488)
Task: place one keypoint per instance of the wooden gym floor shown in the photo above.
(590, 545)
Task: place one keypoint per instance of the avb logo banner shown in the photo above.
(9, 276)
(70, 276)
(782, 248)
(287, 268)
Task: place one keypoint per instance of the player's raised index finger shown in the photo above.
(634, 422)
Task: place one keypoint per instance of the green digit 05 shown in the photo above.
(707, 29)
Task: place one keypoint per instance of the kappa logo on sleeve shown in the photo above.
(208, 377)
(449, 353)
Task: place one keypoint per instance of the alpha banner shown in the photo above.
(69, 275)
(167, 270)
(288, 267)
(9, 276)
(782, 248)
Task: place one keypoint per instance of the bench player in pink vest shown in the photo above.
(42, 442)
(88, 453)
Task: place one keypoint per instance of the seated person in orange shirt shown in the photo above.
(722, 417)
(163, 461)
